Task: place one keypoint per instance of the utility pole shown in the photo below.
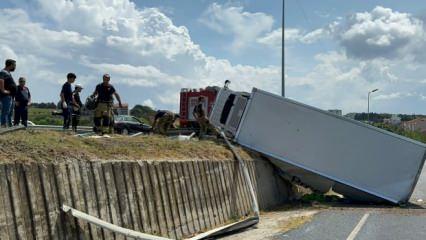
(368, 104)
(282, 53)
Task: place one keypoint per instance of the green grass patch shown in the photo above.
(43, 116)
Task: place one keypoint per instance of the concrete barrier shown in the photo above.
(174, 199)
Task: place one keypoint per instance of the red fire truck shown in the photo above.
(189, 99)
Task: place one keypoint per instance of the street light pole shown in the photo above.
(368, 104)
(282, 53)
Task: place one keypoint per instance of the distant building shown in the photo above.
(394, 120)
(418, 124)
(336, 111)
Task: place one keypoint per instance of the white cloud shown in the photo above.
(391, 96)
(244, 26)
(293, 35)
(274, 38)
(380, 33)
(314, 36)
(142, 49)
(8, 52)
(152, 58)
(381, 49)
(170, 98)
(149, 103)
(341, 82)
(147, 76)
(19, 30)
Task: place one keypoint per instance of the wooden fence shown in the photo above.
(173, 199)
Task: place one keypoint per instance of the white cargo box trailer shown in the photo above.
(321, 149)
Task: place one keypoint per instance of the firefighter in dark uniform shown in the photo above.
(76, 107)
(22, 102)
(163, 120)
(104, 109)
(200, 115)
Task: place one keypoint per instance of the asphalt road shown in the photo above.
(362, 224)
(368, 222)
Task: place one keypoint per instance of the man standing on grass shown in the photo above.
(104, 112)
(67, 100)
(7, 91)
(22, 102)
(200, 115)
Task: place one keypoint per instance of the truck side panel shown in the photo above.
(342, 150)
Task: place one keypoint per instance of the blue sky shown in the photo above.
(336, 51)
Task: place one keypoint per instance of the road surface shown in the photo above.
(370, 222)
(353, 222)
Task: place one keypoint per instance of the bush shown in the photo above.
(415, 135)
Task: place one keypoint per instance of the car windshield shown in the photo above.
(119, 118)
(135, 120)
(130, 119)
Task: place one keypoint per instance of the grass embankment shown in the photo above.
(41, 146)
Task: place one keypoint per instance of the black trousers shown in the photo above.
(21, 114)
(75, 119)
(66, 113)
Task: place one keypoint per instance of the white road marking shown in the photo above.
(358, 227)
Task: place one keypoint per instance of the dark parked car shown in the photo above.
(125, 124)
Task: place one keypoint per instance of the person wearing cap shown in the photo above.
(163, 120)
(67, 99)
(22, 102)
(104, 109)
(76, 106)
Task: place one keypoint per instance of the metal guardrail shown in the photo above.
(58, 127)
(81, 130)
(112, 227)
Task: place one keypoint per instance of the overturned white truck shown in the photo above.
(320, 149)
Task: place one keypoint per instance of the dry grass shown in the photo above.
(275, 223)
(32, 145)
(294, 223)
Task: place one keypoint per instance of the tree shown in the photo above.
(43, 105)
(144, 113)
